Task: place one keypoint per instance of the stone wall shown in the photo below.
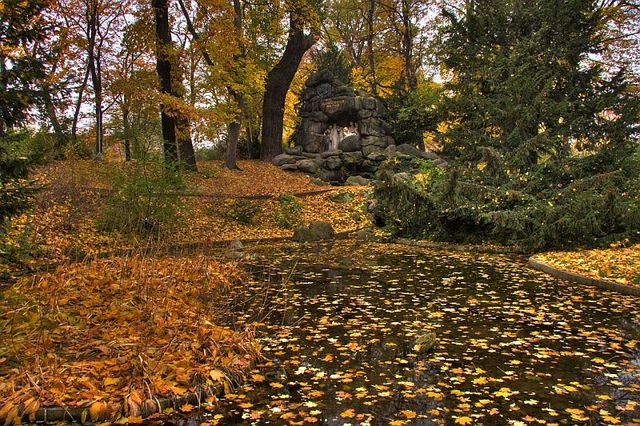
(329, 106)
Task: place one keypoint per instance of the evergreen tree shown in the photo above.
(525, 89)
(542, 142)
(21, 62)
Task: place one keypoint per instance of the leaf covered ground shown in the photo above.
(214, 204)
(619, 264)
(112, 334)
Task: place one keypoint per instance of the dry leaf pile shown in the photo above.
(619, 264)
(114, 333)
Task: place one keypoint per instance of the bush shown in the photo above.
(413, 114)
(144, 201)
(16, 192)
(243, 211)
(210, 153)
(36, 148)
(289, 212)
(592, 206)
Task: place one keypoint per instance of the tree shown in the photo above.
(21, 30)
(163, 68)
(524, 89)
(543, 142)
(301, 15)
(22, 34)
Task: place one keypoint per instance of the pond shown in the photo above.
(342, 323)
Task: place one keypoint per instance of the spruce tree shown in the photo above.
(525, 88)
(542, 142)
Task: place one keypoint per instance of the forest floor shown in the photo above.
(75, 212)
(620, 264)
(121, 317)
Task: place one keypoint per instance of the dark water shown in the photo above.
(514, 346)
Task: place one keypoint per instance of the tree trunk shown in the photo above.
(277, 85)
(372, 63)
(126, 127)
(232, 146)
(97, 89)
(50, 109)
(76, 113)
(235, 126)
(185, 145)
(93, 58)
(163, 68)
(407, 36)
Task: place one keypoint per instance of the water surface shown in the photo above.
(514, 346)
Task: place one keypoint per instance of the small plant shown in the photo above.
(243, 211)
(289, 213)
(144, 200)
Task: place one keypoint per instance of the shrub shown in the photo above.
(289, 212)
(144, 201)
(243, 211)
(566, 204)
(210, 153)
(16, 192)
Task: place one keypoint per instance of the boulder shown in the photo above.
(296, 150)
(374, 141)
(357, 181)
(344, 91)
(319, 77)
(323, 229)
(302, 234)
(369, 103)
(282, 159)
(333, 163)
(330, 175)
(316, 231)
(341, 197)
(351, 143)
(236, 245)
(307, 166)
(314, 142)
(324, 90)
(352, 158)
(373, 152)
(328, 154)
(290, 167)
(415, 152)
(372, 127)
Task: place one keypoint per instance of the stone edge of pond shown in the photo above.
(149, 407)
(583, 279)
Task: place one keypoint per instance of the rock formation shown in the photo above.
(343, 133)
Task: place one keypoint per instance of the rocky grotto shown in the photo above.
(343, 133)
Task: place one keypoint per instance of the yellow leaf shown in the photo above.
(480, 381)
(463, 420)
(258, 378)
(348, 413)
(217, 375)
(98, 410)
(409, 414)
(110, 381)
(186, 408)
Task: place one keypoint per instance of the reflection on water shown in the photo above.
(513, 345)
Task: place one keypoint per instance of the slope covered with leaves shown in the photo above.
(619, 264)
(115, 333)
(88, 208)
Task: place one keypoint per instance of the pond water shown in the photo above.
(341, 324)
